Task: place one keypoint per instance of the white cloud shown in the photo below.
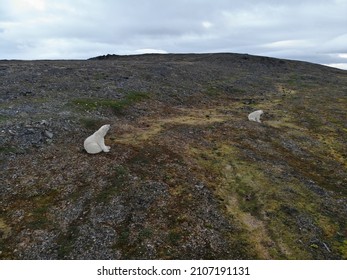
(338, 65)
(207, 24)
(289, 44)
(336, 44)
(307, 29)
(342, 55)
(148, 51)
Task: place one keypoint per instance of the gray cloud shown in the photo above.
(305, 30)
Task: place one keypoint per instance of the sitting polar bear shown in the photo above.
(96, 143)
(255, 116)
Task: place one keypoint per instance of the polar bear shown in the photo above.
(96, 143)
(255, 116)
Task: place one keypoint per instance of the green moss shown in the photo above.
(117, 106)
(145, 233)
(91, 123)
(100, 76)
(123, 239)
(3, 118)
(5, 230)
(343, 249)
(174, 237)
(38, 223)
(129, 249)
(38, 218)
(218, 90)
(66, 241)
(8, 149)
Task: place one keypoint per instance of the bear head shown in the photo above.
(104, 129)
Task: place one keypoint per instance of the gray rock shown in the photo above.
(48, 134)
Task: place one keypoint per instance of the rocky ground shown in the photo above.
(188, 176)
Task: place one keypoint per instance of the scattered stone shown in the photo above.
(200, 186)
(12, 132)
(48, 134)
(326, 247)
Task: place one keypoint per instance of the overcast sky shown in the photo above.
(310, 30)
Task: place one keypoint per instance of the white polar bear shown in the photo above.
(96, 143)
(255, 116)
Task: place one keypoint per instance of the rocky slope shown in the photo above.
(188, 176)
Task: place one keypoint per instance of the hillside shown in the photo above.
(188, 176)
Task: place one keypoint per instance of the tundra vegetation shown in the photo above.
(187, 176)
